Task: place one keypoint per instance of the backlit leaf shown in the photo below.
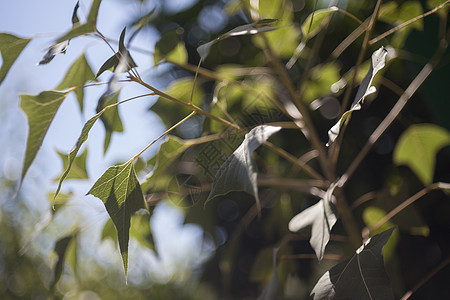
(40, 111)
(377, 63)
(311, 28)
(73, 153)
(253, 28)
(10, 47)
(121, 193)
(321, 217)
(110, 118)
(417, 148)
(238, 172)
(360, 277)
(53, 51)
(78, 74)
(78, 169)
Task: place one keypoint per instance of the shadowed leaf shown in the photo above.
(40, 111)
(10, 47)
(113, 62)
(360, 277)
(321, 217)
(121, 193)
(238, 172)
(253, 28)
(78, 74)
(61, 249)
(417, 148)
(377, 63)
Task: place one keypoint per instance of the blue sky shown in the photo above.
(44, 21)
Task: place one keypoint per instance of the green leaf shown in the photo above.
(417, 148)
(360, 277)
(61, 248)
(377, 63)
(121, 193)
(238, 172)
(253, 28)
(40, 111)
(110, 118)
(270, 291)
(73, 153)
(10, 47)
(113, 62)
(140, 230)
(109, 231)
(172, 148)
(180, 89)
(78, 169)
(321, 217)
(313, 23)
(78, 74)
(88, 27)
(371, 216)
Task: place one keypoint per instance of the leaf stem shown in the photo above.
(164, 133)
(409, 201)
(391, 31)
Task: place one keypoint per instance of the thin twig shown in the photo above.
(391, 31)
(409, 201)
(439, 267)
(412, 88)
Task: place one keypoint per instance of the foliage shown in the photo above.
(269, 79)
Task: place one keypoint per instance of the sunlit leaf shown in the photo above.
(110, 118)
(417, 148)
(371, 216)
(238, 172)
(360, 277)
(73, 153)
(121, 193)
(140, 230)
(88, 27)
(253, 28)
(310, 29)
(40, 111)
(10, 47)
(78, 169)
(78, 74)
(321, 217)
(270, 291)
(377, 63)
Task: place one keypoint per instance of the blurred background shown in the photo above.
(222, 250)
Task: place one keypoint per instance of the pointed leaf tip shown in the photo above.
(40, 111)
(10, 47)
(360, 277)
(122, 196)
